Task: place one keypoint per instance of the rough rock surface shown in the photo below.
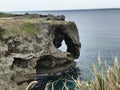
(29, 46)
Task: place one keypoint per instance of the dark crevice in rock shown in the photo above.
(1, 33)
(53, 70)
(18, 62)
(72, 48)
(50, 61)
(59, 36)
(27, 81)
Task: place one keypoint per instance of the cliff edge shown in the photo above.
(29, 46)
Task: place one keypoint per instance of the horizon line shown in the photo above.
(89, 9)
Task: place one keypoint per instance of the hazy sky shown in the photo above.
(20, 5)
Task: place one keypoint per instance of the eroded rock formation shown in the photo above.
(29, 47)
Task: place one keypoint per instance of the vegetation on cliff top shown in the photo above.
(30, 28)
(6, 15)
(11, 27)
(25, 25)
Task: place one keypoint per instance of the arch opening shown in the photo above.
(64, 42)
(63, 47)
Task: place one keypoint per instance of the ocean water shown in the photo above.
(99, 32)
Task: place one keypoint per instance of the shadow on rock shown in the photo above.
(58, 80)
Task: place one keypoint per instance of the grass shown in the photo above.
(101, 81)
(108, 81)
(12, 27)
(30, 28)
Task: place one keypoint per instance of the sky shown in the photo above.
(31, 5)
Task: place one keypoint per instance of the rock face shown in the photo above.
(29, 47)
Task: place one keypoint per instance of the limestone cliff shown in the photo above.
(29, 46)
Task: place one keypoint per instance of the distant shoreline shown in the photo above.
(64, 10)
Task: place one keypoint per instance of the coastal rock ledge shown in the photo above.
(29, 46)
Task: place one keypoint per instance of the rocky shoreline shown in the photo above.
(29, 46)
